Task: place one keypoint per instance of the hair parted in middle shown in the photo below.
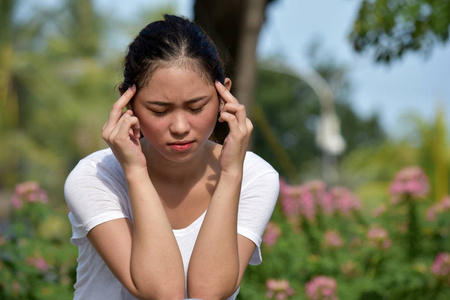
(174, 41)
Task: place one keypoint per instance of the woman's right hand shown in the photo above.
(122, 132)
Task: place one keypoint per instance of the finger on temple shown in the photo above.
(225, 93)
(118, 106)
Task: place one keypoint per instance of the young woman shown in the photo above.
(166, 212)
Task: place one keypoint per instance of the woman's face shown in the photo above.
(177, 112)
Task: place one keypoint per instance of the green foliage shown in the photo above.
(379, 256)
(57, 81)
(57, 78)
(36, 262)
(395, 27)
(366, 170)
(433, 155)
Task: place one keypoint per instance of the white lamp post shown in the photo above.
(328, 132)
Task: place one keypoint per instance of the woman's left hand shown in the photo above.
(236, 142)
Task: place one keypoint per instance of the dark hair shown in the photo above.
(173, 41)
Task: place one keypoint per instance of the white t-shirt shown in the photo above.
(96, 192)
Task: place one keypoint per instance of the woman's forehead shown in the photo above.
(174, 84)
(187, 65)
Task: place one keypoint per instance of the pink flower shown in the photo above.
(321, 288)
(16, 202)
(344, 201)
(271, 234)
(410, 181)
(307, 204)
(278, 289)
(441, 267)
(295, 202)
(289, 199)
(317, 190)
(312, 197)
(305, 200)
(38, 262)
(24, 188)
(379, 238)
(333, 239)
(29, 191)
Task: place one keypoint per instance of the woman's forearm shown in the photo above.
(155, 257)
(214, 265)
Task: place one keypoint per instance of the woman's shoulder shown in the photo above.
(99, 156)
(258, 172)
(255, 163)
(97, 164)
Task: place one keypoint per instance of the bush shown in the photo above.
(320, 244)
(323, 244)
(36, 260)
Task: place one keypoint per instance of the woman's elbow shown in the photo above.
(162, 292)
(209, 292)
(160, 296)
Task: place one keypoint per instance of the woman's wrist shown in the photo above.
(231, 179)
(235, 175)
(136, 174)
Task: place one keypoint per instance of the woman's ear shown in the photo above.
(227, 83)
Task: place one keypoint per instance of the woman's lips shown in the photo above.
(182, 146)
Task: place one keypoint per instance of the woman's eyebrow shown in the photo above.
(159, 103)
(190, 101)
(196, 99)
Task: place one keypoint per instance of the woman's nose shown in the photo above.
(180, 124)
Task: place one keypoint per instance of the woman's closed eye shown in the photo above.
(196, 110)
(159, 113)
(158, 110)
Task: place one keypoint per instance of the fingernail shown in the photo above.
(133, 88)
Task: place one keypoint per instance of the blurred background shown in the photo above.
(347, 93)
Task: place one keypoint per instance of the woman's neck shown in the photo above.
(162, 169)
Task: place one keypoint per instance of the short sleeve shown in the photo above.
(259, 194)
(94, 194)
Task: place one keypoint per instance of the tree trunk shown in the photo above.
(245, 76)
(235, 27)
